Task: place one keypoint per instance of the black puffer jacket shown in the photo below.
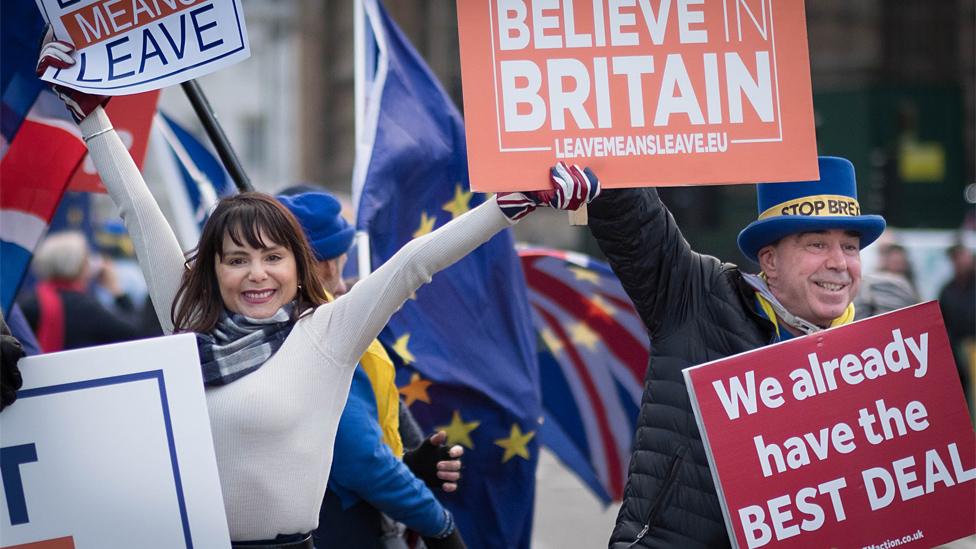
(696, 309)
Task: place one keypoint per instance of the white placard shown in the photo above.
(110, 447)
(132, 46)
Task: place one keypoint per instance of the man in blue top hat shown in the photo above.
(369, 480)
(807, 241)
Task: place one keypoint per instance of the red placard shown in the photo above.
(852, 437)
(132, 117)
(661, 92)
(59, 543)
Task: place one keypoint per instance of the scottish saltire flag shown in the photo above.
(194, 178)
(466, 343)
(40, 148)
(593, 351)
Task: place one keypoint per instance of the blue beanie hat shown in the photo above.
(318, 212)
(828, 203)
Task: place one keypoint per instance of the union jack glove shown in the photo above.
(571, 188)
(57, 54)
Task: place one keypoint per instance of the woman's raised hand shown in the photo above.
(571, 188)
(57, 54)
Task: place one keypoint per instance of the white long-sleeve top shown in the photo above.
(274, 429)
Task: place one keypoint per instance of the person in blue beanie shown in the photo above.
(807, 240)
(372, 478)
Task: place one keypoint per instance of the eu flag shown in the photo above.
(466, 343)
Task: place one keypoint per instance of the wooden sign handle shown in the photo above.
(578, 217)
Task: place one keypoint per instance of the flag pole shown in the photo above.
(217, 136)
(359, 68)
(359, 106)
(578, 216)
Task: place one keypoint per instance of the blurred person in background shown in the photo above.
(62, 311)
(894, 259)
(890, 287)
(113, 243)
(373, 481)
(958, 302)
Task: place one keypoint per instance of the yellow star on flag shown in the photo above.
(401, 348)
(585, 274)
(415, 390)
(426, 225)
(460, 203)
(515, 444)
(552, 342)
(598, 304)
(459, 431)
(581, 334)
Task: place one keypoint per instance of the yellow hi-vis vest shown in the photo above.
(382, 376)
(379, 368)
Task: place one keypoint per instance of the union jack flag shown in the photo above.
(593, 351)
(40, 147)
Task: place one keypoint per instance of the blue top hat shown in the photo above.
(802, 206)
(318, 212)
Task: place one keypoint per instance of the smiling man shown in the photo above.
(807, 240)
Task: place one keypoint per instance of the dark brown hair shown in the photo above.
(243, 217)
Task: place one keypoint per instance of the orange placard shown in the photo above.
(132, 117)
(646, 92)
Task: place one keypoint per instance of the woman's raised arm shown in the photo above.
(357, 318)
(156, 246)
(157, 249)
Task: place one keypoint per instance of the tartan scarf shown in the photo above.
(239, 345)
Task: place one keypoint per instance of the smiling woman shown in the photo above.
(277, 356)
(252, 260)
(256, 282)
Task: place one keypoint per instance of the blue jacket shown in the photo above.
(364, 468)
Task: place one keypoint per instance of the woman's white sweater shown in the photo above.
(274, 429)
